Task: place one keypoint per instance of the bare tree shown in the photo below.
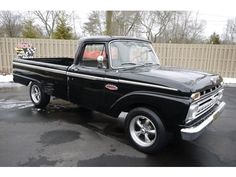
(183, 27)
(157, 26)
(95, 23)
(229, 35)
(154, 23)
(196, 29)
(10, 24)
(48, 19)
(112, 23)
(1, 31)
(126, 23)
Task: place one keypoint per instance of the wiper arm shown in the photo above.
(128, 63)
(149, 63)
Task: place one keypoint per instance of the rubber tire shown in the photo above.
(161, 132)
(45, 98)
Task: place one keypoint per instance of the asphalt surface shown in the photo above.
(65, 135)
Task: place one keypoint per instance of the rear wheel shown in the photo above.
(38, 96)
(145, 130)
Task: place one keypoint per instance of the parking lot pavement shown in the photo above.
(65, 135)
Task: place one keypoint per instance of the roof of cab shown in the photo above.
(109, 38)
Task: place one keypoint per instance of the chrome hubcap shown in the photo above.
(143, 131)
(35, 94)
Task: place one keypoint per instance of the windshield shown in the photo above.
(131, 53)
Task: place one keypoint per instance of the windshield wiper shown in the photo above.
(128, 63)
(134, 65)
(149, 63)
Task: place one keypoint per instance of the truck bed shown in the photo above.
(57, 61)
(51, 72)
(56, 65)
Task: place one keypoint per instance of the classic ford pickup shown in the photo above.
(122, 77)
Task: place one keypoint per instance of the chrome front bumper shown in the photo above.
(191, 133)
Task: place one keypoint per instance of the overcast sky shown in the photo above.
(214, 12)
(216, 22)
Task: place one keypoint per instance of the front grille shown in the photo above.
(207, 104)
(208, 91)
(209, 100)
(202, 118)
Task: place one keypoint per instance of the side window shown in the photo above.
(91, 52)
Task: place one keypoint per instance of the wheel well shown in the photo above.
(130, 107)
(151, 107)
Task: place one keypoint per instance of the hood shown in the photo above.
(181, 79)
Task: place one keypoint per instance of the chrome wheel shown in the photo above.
(35, 94)
(143, 131)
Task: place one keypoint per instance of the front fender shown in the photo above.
(171, 109)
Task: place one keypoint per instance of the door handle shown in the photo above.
(75, 69)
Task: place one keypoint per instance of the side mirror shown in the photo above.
(100, 61)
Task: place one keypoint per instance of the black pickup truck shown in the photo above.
(122, 77)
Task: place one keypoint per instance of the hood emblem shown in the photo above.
(111, 87)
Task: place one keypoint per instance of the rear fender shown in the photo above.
(18, 78)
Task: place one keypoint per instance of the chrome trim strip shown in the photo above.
(85, 76)
(192, 133)
(111, 80)
(146, 85)
(40, 68)
(40, 63)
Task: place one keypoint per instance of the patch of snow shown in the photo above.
(9, 85)
(6, 81)
(6, 78)
(231, 82)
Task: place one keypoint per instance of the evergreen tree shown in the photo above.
(63, 30)
(31, 31)
(214, 39)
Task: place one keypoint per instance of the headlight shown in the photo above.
(192, 113)
(195, 96)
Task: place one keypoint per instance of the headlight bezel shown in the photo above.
(196, 96)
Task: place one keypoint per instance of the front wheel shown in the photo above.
(37, 95)
(145, 130)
